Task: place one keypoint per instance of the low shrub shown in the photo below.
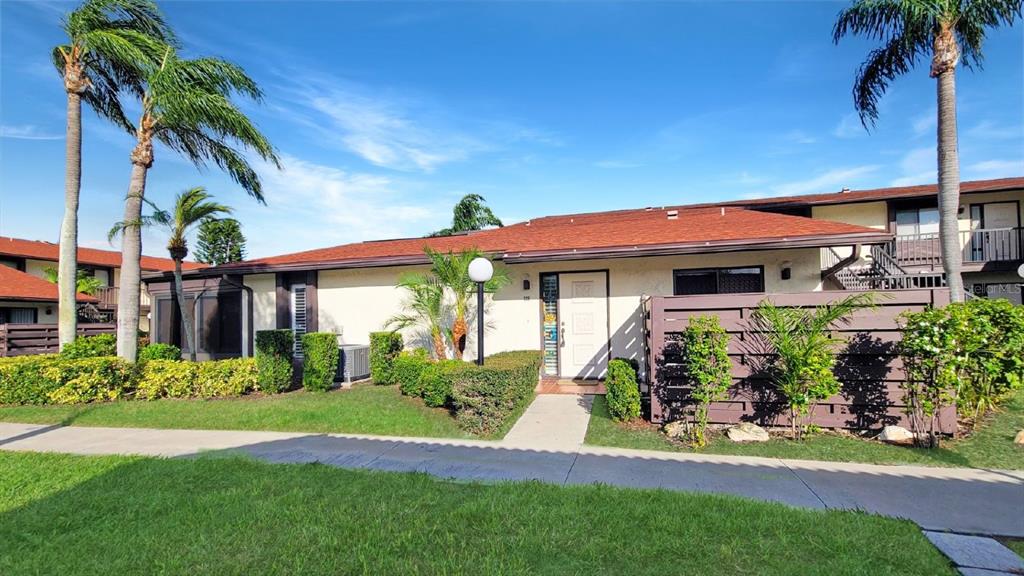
(274, 360)
(384, 348)
(22, 380)
(436, 382)
(166, 379)
(320, 360)
(90, 379)
(226, 378)
(485, 396)
(90, 346)
(407, 368)
(159, 352)
(622, 393)
(633, 363)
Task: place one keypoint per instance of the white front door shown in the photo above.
(1001, 241)
(583, 323)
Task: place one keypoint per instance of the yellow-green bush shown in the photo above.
(166, 379)
(223, 378)
(90, 379)
(22, 380)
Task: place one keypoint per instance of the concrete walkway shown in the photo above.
(953, 499)
(552, 422)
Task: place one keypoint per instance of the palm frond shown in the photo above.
(977, 16)
(882, 67)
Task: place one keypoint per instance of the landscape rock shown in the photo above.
(747, 432)
(896, 435)
(1019, 439)
(677, 429)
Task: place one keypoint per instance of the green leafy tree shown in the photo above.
(706, 350)
(220, 241)
(190, 208)
(452, 270)
(804, 349)
(469, 214)
(85, 282)
(187, 105)
(109, 44)
(424, 306)
(910, 31)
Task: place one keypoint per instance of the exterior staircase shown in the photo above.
(881, 273)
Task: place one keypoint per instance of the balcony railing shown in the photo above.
(982, 245)
(107, 296)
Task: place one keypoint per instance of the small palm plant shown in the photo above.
(85, 283)
(452, 271)
(191, 207)
(109, 45)
(425, 306)
(187, 105)
(804, 349)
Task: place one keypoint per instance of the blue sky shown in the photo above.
(386, 113)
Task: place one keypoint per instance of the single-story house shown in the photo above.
(578, 279)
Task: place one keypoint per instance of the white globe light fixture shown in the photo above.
(480, 271)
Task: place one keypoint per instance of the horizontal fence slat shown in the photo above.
(25, 339)
(867, 363)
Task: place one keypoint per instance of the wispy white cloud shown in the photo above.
(616, 164)
(799, 137)
(918, 166)
(989, 130)
(993, 169)
(925, 123)
(310, 204)
(849, 126)
(830, 181)
(27, 132)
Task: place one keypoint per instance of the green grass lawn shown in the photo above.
(991, 446)
(1015, 545)
(72, 515)
(362, 409)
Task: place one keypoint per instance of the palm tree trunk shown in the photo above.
(131, 273)
(944, 71)
(459, 336)
(186, 319)
(67, 266)
(439, 350)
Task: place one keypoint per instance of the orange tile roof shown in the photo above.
(17, 285)
(40, 250)
(968, 187)
(622, 230)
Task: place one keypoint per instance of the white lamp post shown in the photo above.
(480, 271)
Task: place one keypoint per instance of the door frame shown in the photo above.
(558, 313)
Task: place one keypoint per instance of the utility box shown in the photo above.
(353, 362)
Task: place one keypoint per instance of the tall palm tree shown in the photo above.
(187, 106)
(469, 214)
(945, 30)
(425, 305)
(452, 271)
(109, 43)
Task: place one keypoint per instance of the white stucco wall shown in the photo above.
(871, 214)
(357, 302)
(264, 308)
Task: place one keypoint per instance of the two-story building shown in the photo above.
(26, 297)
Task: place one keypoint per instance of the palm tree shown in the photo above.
(945, 30)
(85, 282)
(452, 271)
(187, 106)
(470, 214)
(425, 305)
(109, 44)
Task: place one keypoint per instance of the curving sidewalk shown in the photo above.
(955, 499)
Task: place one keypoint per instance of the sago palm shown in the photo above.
(452, 271)
(424, 306)
(109, 44)
(910, 31)
(187, 106)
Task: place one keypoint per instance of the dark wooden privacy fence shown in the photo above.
(22, 339)
(867, 364)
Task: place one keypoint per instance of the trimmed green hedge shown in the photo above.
(166, 379)
(407, 368)
(53, 379)
(436, 382)
(22, 380)
(91, 346)
(274, 360)
(159, 352)
(384, 348)
(225, 378)
(484, 397)
(320, 360)
(622, 392)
